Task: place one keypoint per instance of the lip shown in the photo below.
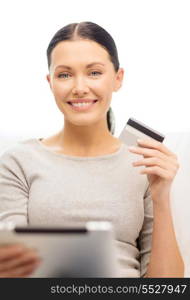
(81, 100)
(83, 108)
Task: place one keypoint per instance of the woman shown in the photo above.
(84, 173)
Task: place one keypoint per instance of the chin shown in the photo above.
(84, 121)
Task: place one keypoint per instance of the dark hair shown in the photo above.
(94, 32)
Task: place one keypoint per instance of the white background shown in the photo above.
(153, 41)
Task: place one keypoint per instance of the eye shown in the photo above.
(95, 73)
(63, 75)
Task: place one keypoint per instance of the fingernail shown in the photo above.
(20, 248)
(139, 140)
(131, 147)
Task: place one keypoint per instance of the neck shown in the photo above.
(86, 140)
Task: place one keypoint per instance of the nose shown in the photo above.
(80, 87)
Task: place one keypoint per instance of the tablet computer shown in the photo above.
(86, 250)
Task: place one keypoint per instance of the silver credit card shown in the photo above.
(137, 130)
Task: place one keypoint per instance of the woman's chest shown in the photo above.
(78, 198)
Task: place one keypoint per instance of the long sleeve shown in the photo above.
(145, 237)
(13, 190)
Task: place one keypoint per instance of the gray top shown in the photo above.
(41, 187)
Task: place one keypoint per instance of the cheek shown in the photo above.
(60, 89)
(102, 86)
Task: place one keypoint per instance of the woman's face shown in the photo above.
(82, 72)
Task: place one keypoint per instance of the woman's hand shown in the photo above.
(161, 166)
(17, 261)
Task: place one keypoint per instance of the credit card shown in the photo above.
(135, 129)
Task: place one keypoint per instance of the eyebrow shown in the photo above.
(88, 66)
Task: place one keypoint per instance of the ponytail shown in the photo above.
(111, 120)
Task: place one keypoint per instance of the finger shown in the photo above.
(151, 143)
(168, 175)
(28, 269)
(23, 271)
(9, 251)
(171, 161)
(24, 259)
(147, 152)
(155, 161)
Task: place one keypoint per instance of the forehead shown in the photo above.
(78, 51)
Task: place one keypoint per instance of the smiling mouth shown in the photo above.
(82, 104)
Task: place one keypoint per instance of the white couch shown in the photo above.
(179, 143)
(180, 200)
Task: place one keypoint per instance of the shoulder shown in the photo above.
(18, 152)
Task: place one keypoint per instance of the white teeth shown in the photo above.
(82, 104)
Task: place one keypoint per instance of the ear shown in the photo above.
(49, 80)
(119, 79)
